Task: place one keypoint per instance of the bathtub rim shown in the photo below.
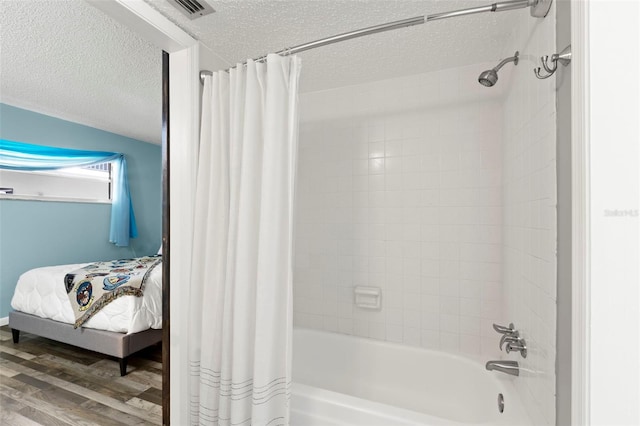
(399, 416)
(476, 360)
(517, 416)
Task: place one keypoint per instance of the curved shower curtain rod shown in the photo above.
(538, 9)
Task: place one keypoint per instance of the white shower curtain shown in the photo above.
(240, 290)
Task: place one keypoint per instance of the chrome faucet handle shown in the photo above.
(509, 338)
(519, 346)
(504, 330)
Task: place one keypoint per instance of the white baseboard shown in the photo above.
(4, 321)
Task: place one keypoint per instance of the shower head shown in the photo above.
(490, 77)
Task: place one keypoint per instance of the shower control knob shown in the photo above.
(509, 338)
(519, 346)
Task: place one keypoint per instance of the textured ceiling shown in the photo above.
(251, 28)
(69, 60)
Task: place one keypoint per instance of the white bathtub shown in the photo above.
(346, 380)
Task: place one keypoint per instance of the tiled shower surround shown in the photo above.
(440, 192)
(399, 187)
(529, 215)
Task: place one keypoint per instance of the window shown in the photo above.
(84, 184)
(31, 165)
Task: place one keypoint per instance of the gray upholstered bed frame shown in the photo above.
(118, 345)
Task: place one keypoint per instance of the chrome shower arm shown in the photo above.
(502, 63)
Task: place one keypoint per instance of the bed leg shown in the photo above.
(123, 366)
(16, 335)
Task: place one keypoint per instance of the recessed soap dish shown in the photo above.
(368, 297)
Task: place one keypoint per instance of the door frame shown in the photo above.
(580, 314)
(605, 201)
(180, 124)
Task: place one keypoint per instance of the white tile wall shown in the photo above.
(529, 214)
(400, 188)
(442, 193)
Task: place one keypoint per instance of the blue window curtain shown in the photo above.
(23, 156)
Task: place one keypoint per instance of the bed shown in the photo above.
(123, 327)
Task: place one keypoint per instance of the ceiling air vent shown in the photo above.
(192, 8)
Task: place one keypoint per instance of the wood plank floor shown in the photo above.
(43, 382)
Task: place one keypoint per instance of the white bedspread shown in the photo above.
(41, 292)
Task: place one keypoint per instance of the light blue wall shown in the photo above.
(43, 233)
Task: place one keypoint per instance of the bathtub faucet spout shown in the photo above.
(509, 367)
